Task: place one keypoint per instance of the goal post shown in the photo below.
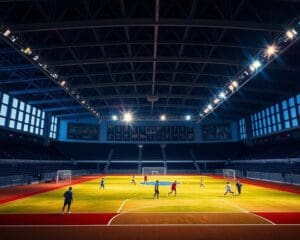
(229, 174)
(63, 176)
(154, 171)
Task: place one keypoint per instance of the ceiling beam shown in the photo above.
(49, 101)
(139, 22)
(95, 61)
(35, 90)
(138, 42)
(17, 67)
(92, 61)
(65, 108)
(145, 83)
(30, 79)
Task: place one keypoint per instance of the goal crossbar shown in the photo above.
(154, 171)
(229, 174)
(63, 176)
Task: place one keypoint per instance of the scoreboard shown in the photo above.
(124, 133)
(82, 131)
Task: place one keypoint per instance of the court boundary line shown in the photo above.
(122, 213)
(97, 213)
(156, 225)
(246, 211)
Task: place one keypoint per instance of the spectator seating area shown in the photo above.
(131, 158)
(12, 150)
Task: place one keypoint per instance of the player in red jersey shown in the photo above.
(173, 188)
(145, 179)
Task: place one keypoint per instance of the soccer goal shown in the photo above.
(154, 171)
(229, 174)
(64, 176)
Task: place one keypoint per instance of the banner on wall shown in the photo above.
(216, 132)
(83, 131)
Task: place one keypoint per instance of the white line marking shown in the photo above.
(123, 203)
(122, 213)
(234, 205)
(246, 211)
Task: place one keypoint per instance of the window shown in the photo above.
(243, 134)
(290, 113)
(4, 100)
(271, 120)
(22, 116)
(53, 128)
(266, 121)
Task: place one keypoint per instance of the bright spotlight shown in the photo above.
(233, 85)
(83, 102)
(13, 38)
(36, 57)
(127, 117)
(188, 117)
(271, 50)
(291, 34)
(54, 75)
(222, 95)
(206, 110)
(7, 32)
(163, 117)
(28, 51)
(63, 83)
(114, 117)
(209, 107)
(216, 100)
(255, 65)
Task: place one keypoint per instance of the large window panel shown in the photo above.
(21, 116)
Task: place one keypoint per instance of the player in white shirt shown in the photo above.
(228, 189)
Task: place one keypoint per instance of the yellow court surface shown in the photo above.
(120, 196)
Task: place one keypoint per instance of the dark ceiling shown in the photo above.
(117, 53)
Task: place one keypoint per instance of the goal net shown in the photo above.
(229, 174)
(64, 176)
(154, 171)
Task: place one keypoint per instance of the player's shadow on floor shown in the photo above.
(223, 196)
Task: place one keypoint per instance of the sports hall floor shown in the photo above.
(123, 211)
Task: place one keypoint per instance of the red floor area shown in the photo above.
(14, 193)
(56, 219)
(103, 218)
(276, 186)
(281, 217)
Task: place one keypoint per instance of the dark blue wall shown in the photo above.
(103, 128)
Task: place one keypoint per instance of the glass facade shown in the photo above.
(26, 118)
(18, 115)
(4, 102)
(266, 121)
(281, 116)
(53, 128)
(243, 133)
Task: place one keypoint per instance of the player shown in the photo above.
(228, 189)
(156, 190)
(239, 187)
(173, 188)
(102, 184)
(68, 196)
(145, 179)
(133, 180)
(201, 182)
